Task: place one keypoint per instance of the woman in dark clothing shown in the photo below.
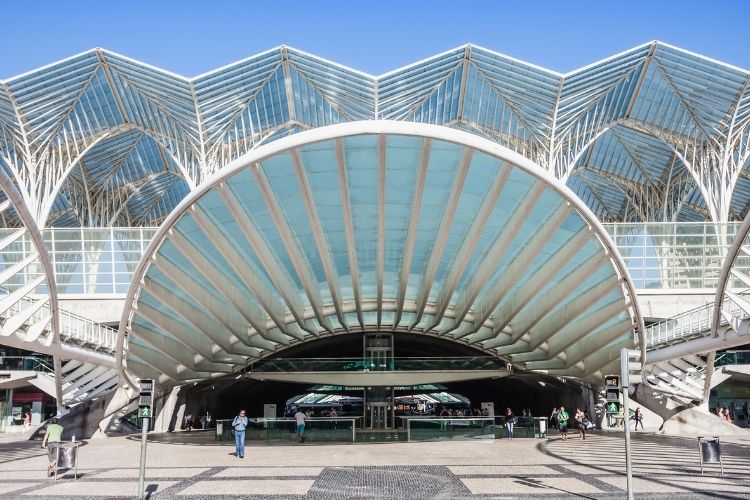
(510, 421)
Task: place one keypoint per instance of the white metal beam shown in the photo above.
(411, 233)
(299, 263)
(221, 311)
(351, 243)
(258, 244)
(446, 221)
(244, 271)
(321, 243)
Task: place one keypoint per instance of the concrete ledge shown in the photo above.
(696, 422)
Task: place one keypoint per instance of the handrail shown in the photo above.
(393, 364)
(20, 363)
(73, 327)
(658, 255)
(690, 324)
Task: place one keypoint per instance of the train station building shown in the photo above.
(470, 231)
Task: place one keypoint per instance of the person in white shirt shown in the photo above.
(301, 418)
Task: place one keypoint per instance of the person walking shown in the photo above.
(239, 424)
(579, 419)
(510, 421)
(553, 418)
(301, 418)
(725, 415)
(51, 441)
(26, 421)
(638, 418)
(562, 422)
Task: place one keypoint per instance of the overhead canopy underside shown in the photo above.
(378, 226)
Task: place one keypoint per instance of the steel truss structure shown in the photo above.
(652, 134)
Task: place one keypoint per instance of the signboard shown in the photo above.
(269, 410)
(490, 407)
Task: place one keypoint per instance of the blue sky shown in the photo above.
(190, 37)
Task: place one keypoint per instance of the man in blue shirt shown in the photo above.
(239, 424)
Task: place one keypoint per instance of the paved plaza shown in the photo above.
(195, 466)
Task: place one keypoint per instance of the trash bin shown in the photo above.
(541, 430)
(710, 451)
(67, 458)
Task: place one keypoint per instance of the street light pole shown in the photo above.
(145, 421)
(624, 387)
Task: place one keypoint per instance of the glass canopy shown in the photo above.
(379, 226)
(645, 135)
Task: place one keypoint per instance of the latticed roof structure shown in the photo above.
(652, 134)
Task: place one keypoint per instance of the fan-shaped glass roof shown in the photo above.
(378, 226)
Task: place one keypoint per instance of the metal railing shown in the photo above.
(73, 328)
(690, 324)
(732, 358)
(367, 365)
(467, 428)
(317, 429)
(667, 256)
(26, 363)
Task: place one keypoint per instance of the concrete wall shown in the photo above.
(98, 308)
(657, 305)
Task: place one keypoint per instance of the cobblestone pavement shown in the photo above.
(194, 466)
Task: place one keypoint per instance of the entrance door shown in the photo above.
(379, 415)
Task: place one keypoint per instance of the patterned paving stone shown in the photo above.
(269, 471)
(499, 470)
(151, 473)
(388, 482)
(546, 485)
(245, 488)
(10, 487)
(97, 488)
(666, 469)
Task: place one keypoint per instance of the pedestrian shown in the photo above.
(638, 418)
(301, 418)
(579, 420)
(562, 422)
(510, 421)
(553, 418)
(189, 422)
(51, 441)
(239, 424)
(725, 415)
(26, 421)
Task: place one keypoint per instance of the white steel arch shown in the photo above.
(260, 321)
